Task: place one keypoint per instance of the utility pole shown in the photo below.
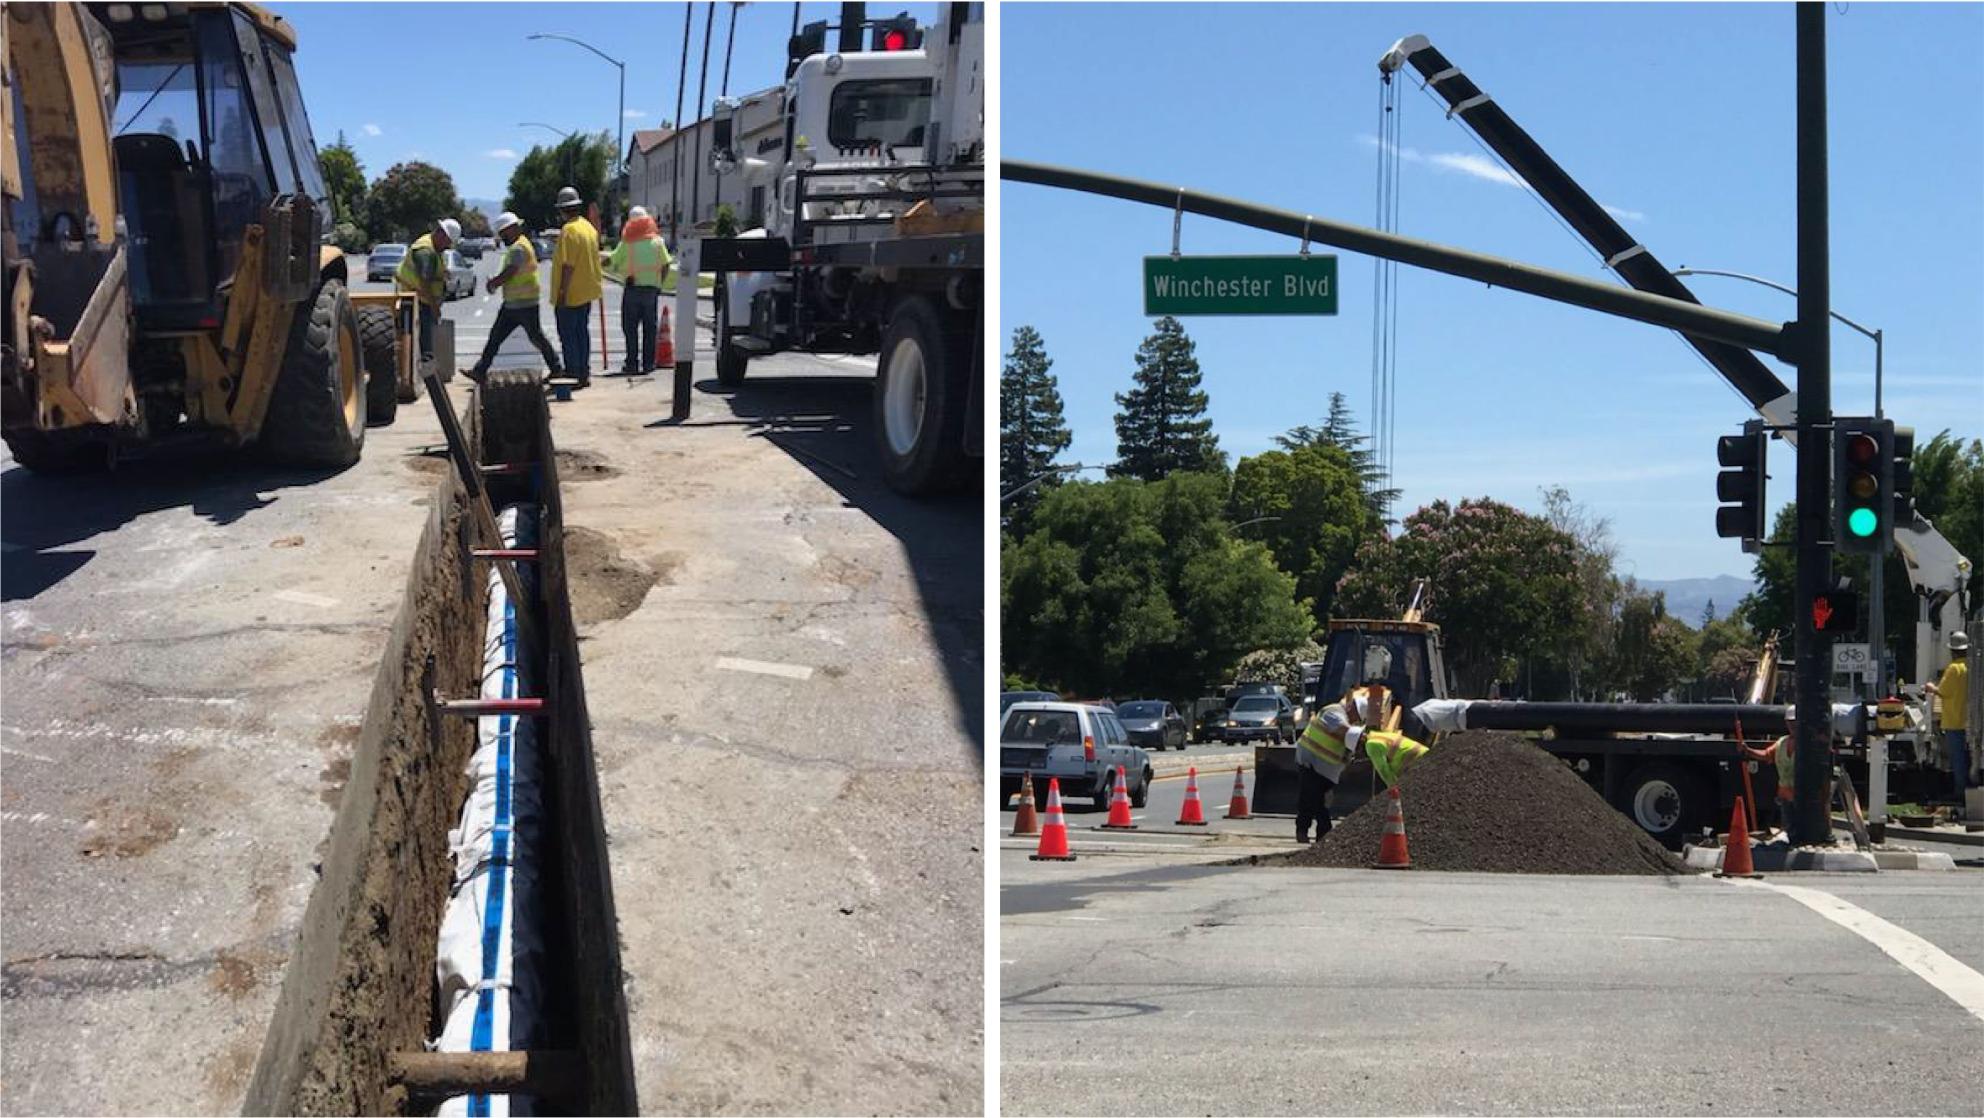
(675, 140)
(702, 101)
(1811, 820)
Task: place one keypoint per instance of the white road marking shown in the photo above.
(304, 598)
(761, 667)
(25, 754)
(1090, 919)
(213, 702)
(1930, 963)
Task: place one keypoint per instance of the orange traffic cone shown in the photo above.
(1392, 854)
(1192, 814)
(664, 342)
(1237, 809)
(1736, 853)
(1025, 822)
(1053, 836)
(1119, 804)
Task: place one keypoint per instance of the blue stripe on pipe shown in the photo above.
(481, 1036)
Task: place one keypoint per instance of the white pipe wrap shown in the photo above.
(490, 965)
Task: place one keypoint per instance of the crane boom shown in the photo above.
(1936, 570)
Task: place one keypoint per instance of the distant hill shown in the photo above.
(1687, 597)
(488, 207)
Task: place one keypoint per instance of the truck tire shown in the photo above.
(511, 401)
(1140, 795)
(57, 452)
(731, 362)
(378, 339)
(316, 413)
(1667, 801)
(921, 388)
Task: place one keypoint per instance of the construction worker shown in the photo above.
(518, 282)
(1954, 691)
(575, 276)
(640, 263)
(1392, 753)
(423, 272)
(1782, 754)
(1320, 756)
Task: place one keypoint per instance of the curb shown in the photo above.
(1778, 859)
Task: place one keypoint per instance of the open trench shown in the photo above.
(504, 955)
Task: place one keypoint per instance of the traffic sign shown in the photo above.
(1853, 659)
(1240, 285)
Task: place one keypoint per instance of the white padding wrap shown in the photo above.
(490, 966)
(1442, 716)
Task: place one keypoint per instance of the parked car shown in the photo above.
(1208, 715)
(383, 261)
(1269, 717)
(460, 278)
(474, 247)
(1079, 744)
(1153, 724)
(1008, 698)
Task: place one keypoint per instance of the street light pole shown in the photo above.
(619, 165)
(1877, 570)
(540, 124)
(1038, 478)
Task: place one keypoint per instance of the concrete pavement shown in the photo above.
(1136, 984)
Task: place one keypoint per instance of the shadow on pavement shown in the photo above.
(41, 514)
(826, 424)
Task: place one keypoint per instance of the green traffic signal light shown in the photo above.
(1862, 522)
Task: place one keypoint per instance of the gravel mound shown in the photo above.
(1493, 803)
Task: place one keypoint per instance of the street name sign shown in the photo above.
(1230, 285)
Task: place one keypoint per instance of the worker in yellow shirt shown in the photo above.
(1954, 690)
(640, 263)
(575, 283)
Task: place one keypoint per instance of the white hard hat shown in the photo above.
(1959, 641)
(451, 227)
(506, 219)
(568, 197)
(638, 212)
(1791, 713)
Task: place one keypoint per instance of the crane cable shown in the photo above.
(1384, 304)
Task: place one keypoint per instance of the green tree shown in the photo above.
(1339, 430)
(1652, 653)
(344, 179)
(1311, 513)
(579, 160)
(1279, 665)
(1949, 490)
(408, 200)
(1131, 586)
(1161, 424)
(1502, 582)
(1031, 430)
(1586, 632)
(475, 223)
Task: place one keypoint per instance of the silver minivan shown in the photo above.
(1079, 744)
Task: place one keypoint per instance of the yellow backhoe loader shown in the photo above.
(165, 276)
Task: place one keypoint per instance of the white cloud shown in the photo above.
(373, 130)
(634, 114)
(500, 153)
(1478, 167)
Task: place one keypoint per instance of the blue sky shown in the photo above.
(448, 83)
(1679, 116)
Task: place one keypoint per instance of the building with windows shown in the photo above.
(693, 193)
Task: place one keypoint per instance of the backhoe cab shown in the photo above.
(165, 276)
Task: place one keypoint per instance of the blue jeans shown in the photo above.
(575, 340)
(640, 315)
(427, 316)
(1954, 744)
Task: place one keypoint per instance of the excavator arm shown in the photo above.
(1936, 570)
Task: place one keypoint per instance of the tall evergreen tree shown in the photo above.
(1161, 424)
(1031, 430)
(1340, 430)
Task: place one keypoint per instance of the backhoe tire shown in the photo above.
(317, 412)
(512, 400)
(922, 387)
(57, 452)
(378, 339)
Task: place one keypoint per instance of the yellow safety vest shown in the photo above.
(409, 277)
(520, 290)
(1786, 767)
(1391, 753)
(1321, 745)
(645, 261)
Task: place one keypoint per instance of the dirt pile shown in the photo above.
(1493, 803)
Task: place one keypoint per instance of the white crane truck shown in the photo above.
(874, 241)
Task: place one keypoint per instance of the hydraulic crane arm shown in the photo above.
(1938, 572)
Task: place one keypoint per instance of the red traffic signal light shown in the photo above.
(1836, 611)
(894, 39)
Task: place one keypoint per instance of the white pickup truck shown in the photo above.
(1078, 744)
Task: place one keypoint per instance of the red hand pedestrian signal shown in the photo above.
(1821, 613)
(1835, 611)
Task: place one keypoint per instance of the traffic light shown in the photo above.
(1901, 475)
(1862, 486)
(1836, 611)
(899, 33)
(811, 40)
(1740, 485)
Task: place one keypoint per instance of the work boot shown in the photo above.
(476, 374)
